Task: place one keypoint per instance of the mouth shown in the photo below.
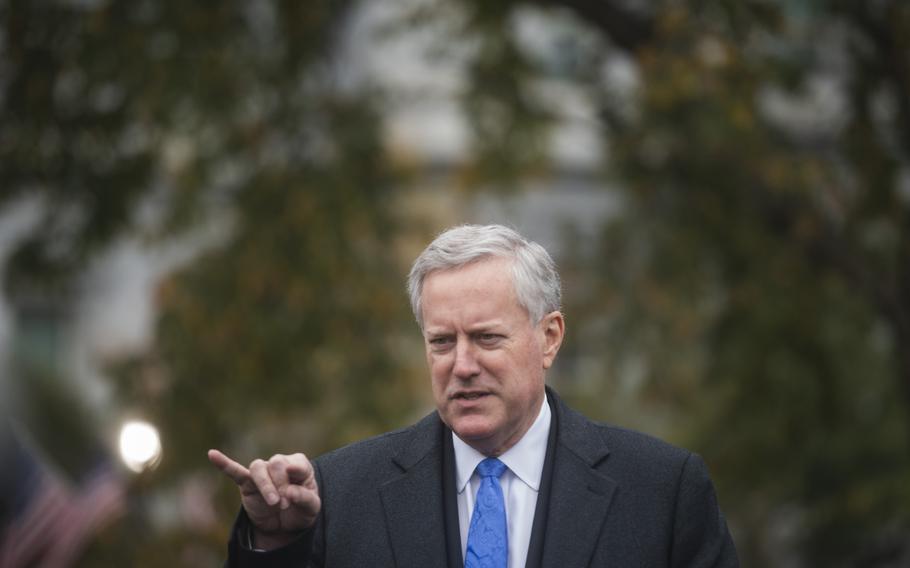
(469, 395)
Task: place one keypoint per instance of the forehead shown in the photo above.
(481, 275)
(484, 286)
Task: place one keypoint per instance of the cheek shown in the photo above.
(439, 369)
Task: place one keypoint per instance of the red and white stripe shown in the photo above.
(58, 524)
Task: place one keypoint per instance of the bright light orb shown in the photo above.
(140, 446)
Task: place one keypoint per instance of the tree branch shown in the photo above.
(626, 28)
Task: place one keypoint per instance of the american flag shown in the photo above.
(50, 520)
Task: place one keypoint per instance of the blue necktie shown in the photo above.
(488, 542)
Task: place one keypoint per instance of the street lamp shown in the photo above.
(140, 446)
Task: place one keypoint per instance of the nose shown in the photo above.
(466, 365)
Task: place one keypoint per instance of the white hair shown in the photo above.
(534, 275)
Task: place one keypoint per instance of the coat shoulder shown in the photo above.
(625, 440)
(378, 450)
(635, 457)
(647, 459)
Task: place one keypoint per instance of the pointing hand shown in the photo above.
(280, 495)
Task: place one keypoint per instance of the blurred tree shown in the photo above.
(759, 277)
(157, 117)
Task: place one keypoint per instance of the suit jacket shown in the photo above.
(609, 497)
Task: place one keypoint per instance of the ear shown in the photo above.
(553, 326)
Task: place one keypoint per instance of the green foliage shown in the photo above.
(158, 117)
(279, 319)
(752, 300)
(754, 292)
(508, 123)
(764, 265)
(106, 105)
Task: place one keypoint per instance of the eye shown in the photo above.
(441, 342)
(489, 338)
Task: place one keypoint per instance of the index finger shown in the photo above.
(232, 469)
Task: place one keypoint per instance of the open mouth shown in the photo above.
(469, 395)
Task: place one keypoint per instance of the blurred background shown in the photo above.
(207, 212)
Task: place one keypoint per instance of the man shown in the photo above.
(503, 473)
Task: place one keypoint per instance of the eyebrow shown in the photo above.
(485, 326)
(481, 327)
(434, 333)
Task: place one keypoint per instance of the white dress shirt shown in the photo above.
(520, 484)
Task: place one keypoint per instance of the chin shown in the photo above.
(472, 428)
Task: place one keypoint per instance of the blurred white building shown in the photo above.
(110, 311)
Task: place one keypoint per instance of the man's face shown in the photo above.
(487, 359)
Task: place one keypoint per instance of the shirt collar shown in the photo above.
(525, 459)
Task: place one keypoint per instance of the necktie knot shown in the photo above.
(491, 467)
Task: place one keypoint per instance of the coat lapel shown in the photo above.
(580, 496)
(413, 503)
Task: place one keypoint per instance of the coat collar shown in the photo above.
(413, 502)
(578, 434)
(580, 495)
